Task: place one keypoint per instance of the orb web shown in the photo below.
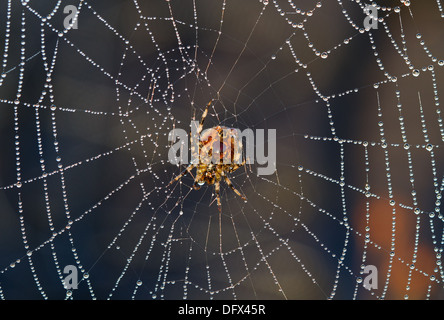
(87, 106)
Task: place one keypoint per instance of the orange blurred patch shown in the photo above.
(381, 216)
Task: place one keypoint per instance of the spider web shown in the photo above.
(85, 117)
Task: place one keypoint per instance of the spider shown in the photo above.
(211, 169)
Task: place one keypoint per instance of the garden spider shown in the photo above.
(210, 169)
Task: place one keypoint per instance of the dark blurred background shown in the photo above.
(134, 70)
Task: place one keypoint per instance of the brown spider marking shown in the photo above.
(219, 152)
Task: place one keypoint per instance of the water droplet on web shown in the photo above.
(415, 72)
(324, 55)
(429, 147)
(139, 282)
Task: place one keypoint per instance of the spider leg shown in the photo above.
(196, 186)
(236, 166)
(196, 153)
(188, 169)
(204, 115)
(228, 181)
(217, 190)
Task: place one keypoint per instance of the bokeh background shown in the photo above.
(134, 70)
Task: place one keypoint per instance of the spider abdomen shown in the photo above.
(220, 145)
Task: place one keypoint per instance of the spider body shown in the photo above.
(219, 152)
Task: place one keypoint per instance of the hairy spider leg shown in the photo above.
(204, 115)
(228, 182)
(188, 169)
(236, 166)
(217, 190)
(199, 130)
